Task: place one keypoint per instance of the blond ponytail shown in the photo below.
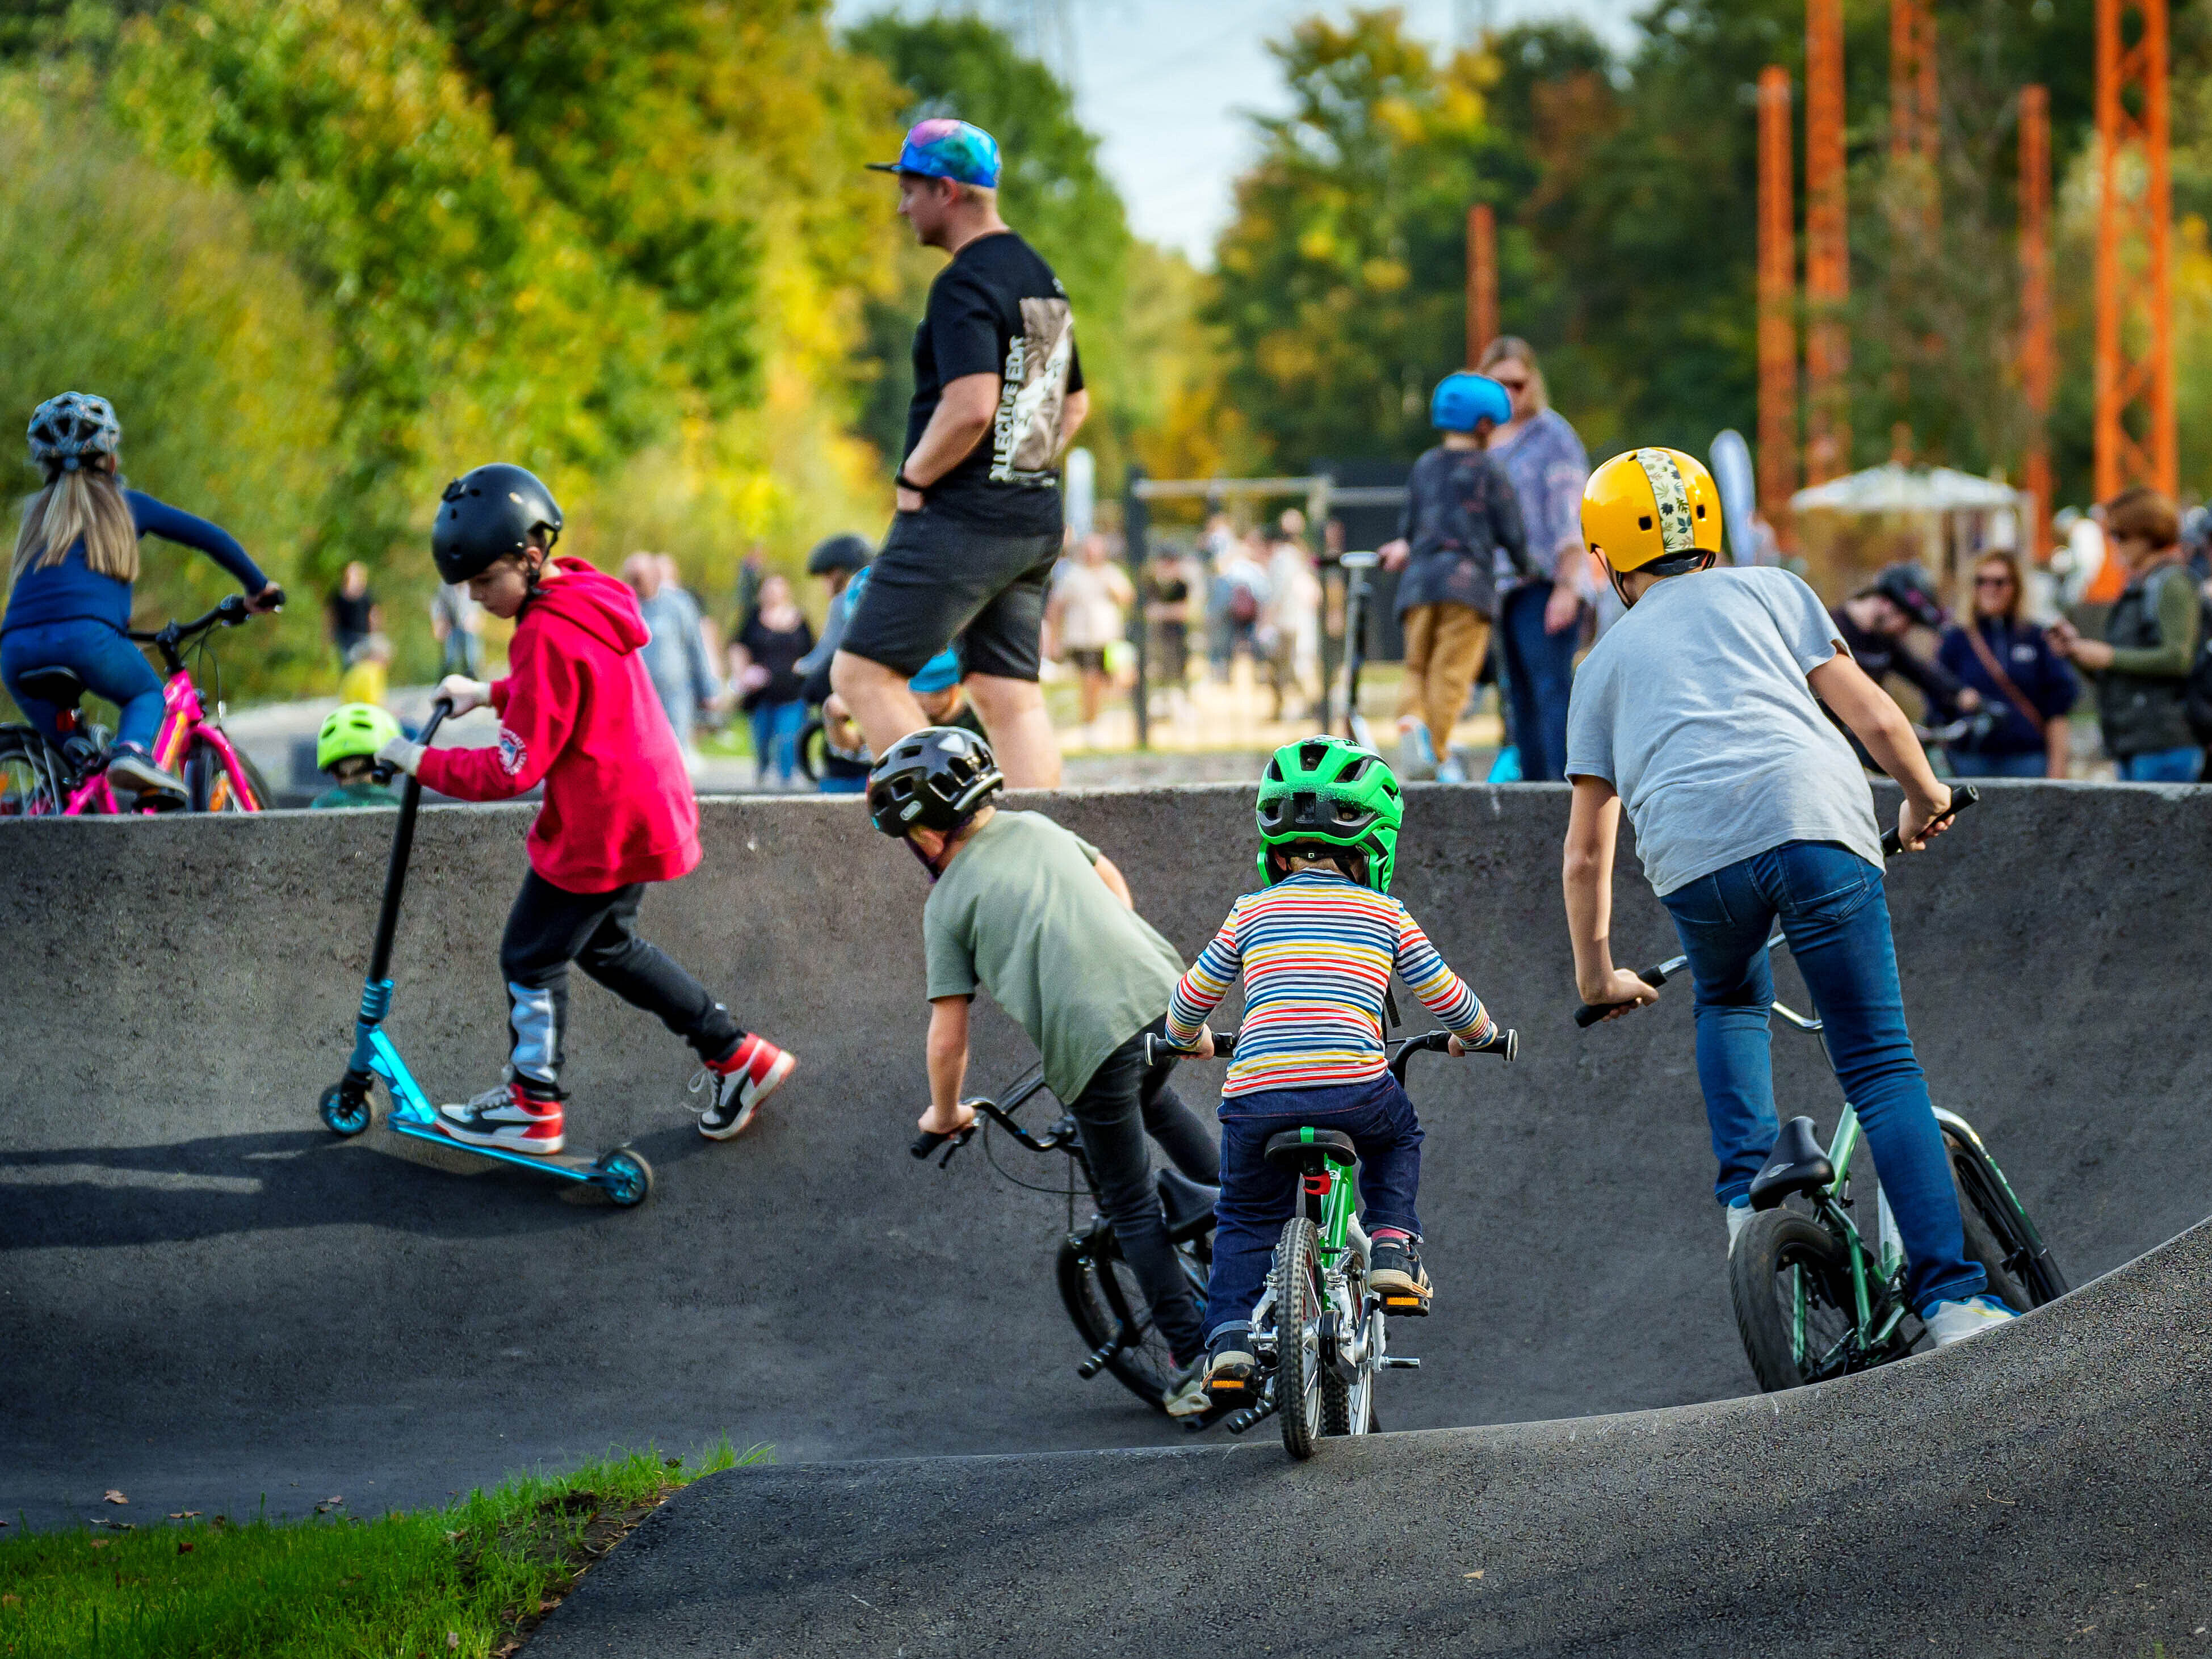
(86, 504)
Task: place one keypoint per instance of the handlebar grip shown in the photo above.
(928, 1141)
(1962, 796)
(1158, 1047)
(1506, 1044)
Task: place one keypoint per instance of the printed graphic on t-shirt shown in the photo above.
(1033, 394)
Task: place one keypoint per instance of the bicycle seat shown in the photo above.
(62, 687)
(1302, 1149)
(1795, 1165)
(1187, 1203)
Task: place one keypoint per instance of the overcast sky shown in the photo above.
(1165, 84)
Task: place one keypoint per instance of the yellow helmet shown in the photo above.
(1649, 504)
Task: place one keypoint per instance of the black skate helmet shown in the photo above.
(1909, 589)
(937, 778)
(487, 514)
(841, 552)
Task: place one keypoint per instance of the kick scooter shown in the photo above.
(622, 1174)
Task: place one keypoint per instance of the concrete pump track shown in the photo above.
(205, 1299)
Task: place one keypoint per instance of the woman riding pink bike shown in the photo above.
(69, 604)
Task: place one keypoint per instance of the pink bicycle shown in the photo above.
(40, 779)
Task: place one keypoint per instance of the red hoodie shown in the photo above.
(577, 710)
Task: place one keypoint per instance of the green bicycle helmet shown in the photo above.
(353, 728)
(1331, 791)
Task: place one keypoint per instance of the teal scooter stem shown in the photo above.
(622, 1173)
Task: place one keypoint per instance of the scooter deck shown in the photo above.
(573, 1166)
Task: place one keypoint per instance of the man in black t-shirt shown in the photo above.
(998, 391)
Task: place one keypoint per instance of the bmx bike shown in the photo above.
(42, 779)
(1097, 1286)
(1814, 1297)
(1319, 1333)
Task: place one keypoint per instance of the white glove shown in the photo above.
(401, 754)
(465, 693)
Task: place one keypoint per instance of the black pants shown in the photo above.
(1125, 1101)
(550, 927)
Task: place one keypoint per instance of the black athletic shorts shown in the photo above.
(938, 580)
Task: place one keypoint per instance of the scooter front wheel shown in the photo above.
(344, 1112)
(625, 1177)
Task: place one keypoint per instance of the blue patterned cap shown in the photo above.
(942, 148)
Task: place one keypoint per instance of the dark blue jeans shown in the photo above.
(1966, 763)
(109, 664)
(1540, 677)
(1830, 903)
(2163, 766)
(1257, 1199)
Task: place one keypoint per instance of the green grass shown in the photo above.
(470, 1580)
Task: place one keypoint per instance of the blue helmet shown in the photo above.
(1462, 399)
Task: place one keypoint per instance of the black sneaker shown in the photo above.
(135, 774)
(1231, 1364)
(1393, 1273)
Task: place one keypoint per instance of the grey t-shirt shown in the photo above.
(1021, 910)
(1694, 707)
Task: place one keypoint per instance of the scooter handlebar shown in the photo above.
(382, 771)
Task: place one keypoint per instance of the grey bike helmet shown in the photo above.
(68, 430)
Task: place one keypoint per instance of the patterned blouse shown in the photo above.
(1316, 952)
(1548, 466)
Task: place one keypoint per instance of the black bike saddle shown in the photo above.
(1187, 1203)
(1795, 1165)
(1301, 1149)
(62, 687)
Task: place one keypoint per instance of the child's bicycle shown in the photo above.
(1814, 1299)
(39, 779)
(1100, 1290)
(1319, 1333)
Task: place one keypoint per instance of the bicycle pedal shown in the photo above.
(1405, 1307)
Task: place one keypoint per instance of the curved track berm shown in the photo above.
(204, 1298)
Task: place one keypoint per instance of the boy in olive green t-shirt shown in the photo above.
(1042, 921)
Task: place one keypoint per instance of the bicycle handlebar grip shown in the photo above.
(927, 1142)
(1962, 796)
(1506, 1045)
(1158, 1047)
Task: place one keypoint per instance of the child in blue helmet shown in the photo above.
(1461, 513)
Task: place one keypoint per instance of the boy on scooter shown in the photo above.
(578, 713)
(1316, 947)
(1043, 922)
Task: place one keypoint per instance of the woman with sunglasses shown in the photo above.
(1540, 617)
(2023, 682)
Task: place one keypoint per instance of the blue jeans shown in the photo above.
(2157, 766)
(1966, 764)
(1831, 906)
(1540, 677)
(109, 664)
(775, 738)
(1257, 1199)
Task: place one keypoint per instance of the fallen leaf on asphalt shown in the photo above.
(1477, 1573)
(114, 1497)
(184, 1514)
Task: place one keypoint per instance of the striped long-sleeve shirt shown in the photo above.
(1316, 952)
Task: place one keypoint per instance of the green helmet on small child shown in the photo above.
(352, 729)
(1325, 792)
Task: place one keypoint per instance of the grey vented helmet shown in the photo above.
(70, 429)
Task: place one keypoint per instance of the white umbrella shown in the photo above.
(1894, 488)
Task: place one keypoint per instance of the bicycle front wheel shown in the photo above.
(30, 777)
(212, 786)
(1298, 1362)
(1104, 1298)
(1999, 1235)
(1791, 1281)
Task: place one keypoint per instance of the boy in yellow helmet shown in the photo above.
(1698, 711)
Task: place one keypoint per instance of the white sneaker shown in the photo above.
(1739, 1217)
(1451, 770)
(1417, 756)
(1186, 1394)
(1955, 1322)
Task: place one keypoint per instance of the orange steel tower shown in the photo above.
(1913, 125)
(1827, 251)
(2135, 313)
(2038, 352)
(1481, 280)
(1777, 297)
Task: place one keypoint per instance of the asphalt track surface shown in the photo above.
(205, 1300)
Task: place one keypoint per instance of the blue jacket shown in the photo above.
(2026, 658)
(71, 590)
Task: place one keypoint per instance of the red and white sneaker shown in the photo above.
(506, 1117)
(756, 1068)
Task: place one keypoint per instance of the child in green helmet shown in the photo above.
(346, 748)
(1316, 947)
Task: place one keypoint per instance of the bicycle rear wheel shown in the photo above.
(1790, 1282)
(1299, 1367)
(1103, 1297)
(31, 776)
(212, 787)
